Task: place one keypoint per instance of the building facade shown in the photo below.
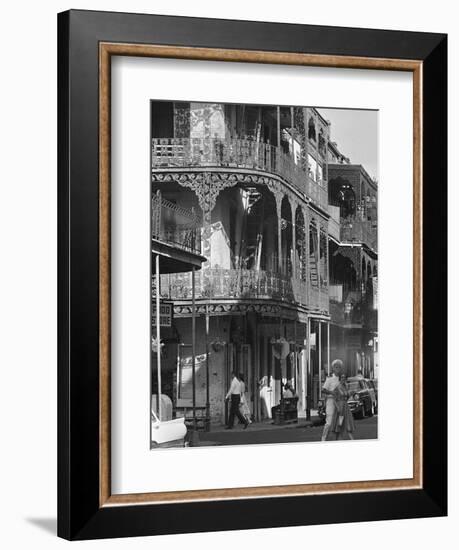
(353, 202)
(257, 176)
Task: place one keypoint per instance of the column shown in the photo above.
(158, 335)
(279, 230)
(293, 209)
(308, 374)
(278, 127)
(319, 349)
(306, 249)
(193, 346)
(318, 256)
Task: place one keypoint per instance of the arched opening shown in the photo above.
(342, 194)
(244, 229)
(286, 238)
(311, 129)
(267, 241)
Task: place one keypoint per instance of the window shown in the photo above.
(311, 129)
(312, 167)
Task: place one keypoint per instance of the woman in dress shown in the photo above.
(265, 398)
(244, 406)
(343, 421)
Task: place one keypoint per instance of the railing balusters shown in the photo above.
(245, 153)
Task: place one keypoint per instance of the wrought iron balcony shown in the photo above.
(352, 307)
(175, 225)
(242, 284)
(236, 153)
(360, 231)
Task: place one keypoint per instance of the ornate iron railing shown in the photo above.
(236, 153)
(241, 284)
(361, 231)
(175, 225)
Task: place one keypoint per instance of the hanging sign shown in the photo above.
(165, 314)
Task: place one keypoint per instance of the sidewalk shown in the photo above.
(261, 426)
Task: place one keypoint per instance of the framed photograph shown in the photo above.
(252, 274)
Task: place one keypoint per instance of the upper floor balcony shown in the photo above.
(175, 226)
(353, 307)
(243, 284)
(360, 231)
(239, 154)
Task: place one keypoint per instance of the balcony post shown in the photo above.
(193, 346)
(318, 257)
(306, 145)
(207, 370)
(278, 127)
(158, 336)
(319, 345)
(279, 230)
(308, 375)
(294, 273)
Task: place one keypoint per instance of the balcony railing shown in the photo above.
(240, 284)
(353, 309)
(236, 153)
(361, 231)
(175, 225)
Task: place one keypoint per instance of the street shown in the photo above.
(364, 429)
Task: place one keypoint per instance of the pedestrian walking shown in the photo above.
(331, 383)
(244, 405)
(234, 395)
(343, 421)
(265, 398)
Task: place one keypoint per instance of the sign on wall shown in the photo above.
(165, 314)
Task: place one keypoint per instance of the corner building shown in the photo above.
(257, 178)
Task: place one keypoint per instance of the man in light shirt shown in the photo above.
(234, 394)
(331, 383)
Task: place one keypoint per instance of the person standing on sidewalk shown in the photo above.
(234, 394)
(330, 385)
(343, 421)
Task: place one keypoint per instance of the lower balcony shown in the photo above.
(240, 284)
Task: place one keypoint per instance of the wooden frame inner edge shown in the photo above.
(106, 50)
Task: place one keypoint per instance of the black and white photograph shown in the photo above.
(264, 274)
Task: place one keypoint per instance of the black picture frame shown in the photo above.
(80, 515)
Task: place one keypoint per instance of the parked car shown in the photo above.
(167, 433)
(362, 401)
